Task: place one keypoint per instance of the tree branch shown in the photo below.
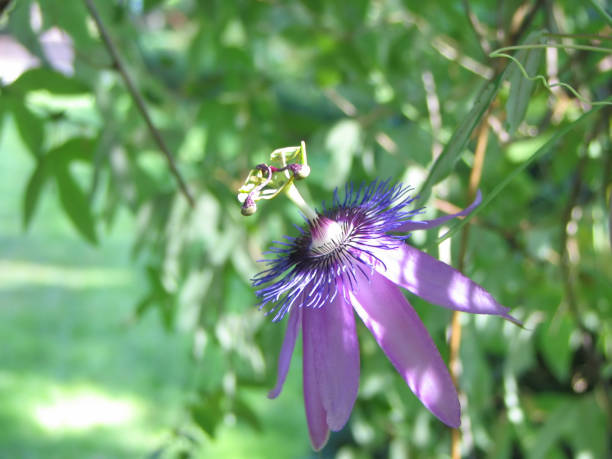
(131, 87)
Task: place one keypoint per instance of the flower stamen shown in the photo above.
(327, 236)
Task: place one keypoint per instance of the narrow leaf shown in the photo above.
(143, 306)
(33, 192)
(20, 27)
(70, 20)
(30, 126)
(245, 413)
(2, 111)
(445, 163)
(151, 4)
(521, 87)
(74, 149)
(75, 203)
(555, 346)
(50, 80)
(207, 413)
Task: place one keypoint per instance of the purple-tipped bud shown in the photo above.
(249, 207)
(299, 171)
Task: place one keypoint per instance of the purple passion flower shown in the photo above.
(352, 256)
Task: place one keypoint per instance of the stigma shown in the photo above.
(327, 235)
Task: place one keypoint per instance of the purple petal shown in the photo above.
(284, 358)
(435, 281)
(401, 335)
(332, 351)
(428, 224)
(315, 413)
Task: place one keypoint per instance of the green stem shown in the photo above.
(577, 36)
(545, 82)
(294, 194)
(551, 45)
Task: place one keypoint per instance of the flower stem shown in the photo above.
(455, 338)
(294, 194)
(597, 49)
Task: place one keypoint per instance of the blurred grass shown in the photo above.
(77, 377)
(80, 378)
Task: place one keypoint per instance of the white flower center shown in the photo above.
(327, 235)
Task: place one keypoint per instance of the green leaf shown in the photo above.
(33, 191)
(502, 436)
(2, 112)
(592, 438)
(75, 203)
(158, 297)
(50, 80)
(521, 87)
(20, 27)
(555, 345)
(74, 149)
(73, 199)
(71, 20)
(445, 163)
(150, 4)
(560, 133)
(207, 413)
(475, 376)
(342, 142)
(245, 413)
(4, 7)
(143, 306)
(559, 421)
(30, 126)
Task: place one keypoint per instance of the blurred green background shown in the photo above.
(127, 322)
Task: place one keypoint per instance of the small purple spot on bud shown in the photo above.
(249, 207)
(299, 171)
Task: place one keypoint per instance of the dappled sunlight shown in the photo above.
(14, 273)
(403, 338)
(82, 409)
(424, 382)
(511, 399)
(460, 292)
(45, 417)
(162, 275)
(14, 59)
(434, 281)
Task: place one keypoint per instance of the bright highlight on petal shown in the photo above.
(330, 340)
(436, 282)
(401, 335)
(350, 256)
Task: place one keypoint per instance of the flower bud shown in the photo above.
(299, 171)
(249, 207)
